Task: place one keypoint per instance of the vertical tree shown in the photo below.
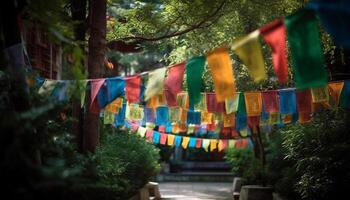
(97, 49)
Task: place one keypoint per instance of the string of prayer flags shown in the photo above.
(192, 142)
(178, 140)
(155, 84)
(110, 90)
(95, 86)
(220, 65)
(162, 115)
(149, 135)
(156, 101)
(274, 35)
(231, 105)
(133, 88)
(182, 100)
(304, 101)
(213, 144)
(194, 72)
(222, 145)
(202, 105)
(173, 83)
(249, 51)
(120, 121)
(287, 101)
(320, 94)
(156, 137)
(82, 89)
(170, 139)
(163, 138)
(305, 48)
(47, 87)
(270, 101)
(335, 89)
(213, 105)
(185, 141)
(345, 95)
(205, 144)
(241, 104)
(334, 15)
(253, 102)
(141, 131)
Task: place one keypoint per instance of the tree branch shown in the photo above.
(198, 25)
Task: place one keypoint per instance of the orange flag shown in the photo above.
(253, 103)
(220, 65)
(335, 90)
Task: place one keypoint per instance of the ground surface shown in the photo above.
(195, 190)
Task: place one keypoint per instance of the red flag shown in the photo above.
(271, 102)
(96, 85)
(163, 137)
(274, 35)
(304, 101)
(133, 88)
(198, 143)
(173, 83)
(212, 104)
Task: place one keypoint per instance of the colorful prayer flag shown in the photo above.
(173, 83)
(194, 72)
(220, 65)
(133, 88)
(155, 84)
(274, 35)
(305, 49)
(271, 101)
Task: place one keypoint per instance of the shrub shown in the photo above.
(246, 165)
(320, 152)
(126, 160)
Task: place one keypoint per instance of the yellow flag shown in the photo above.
(156, 101)
(229, 120)
(108, 117)
(213, 144)
(253, 103)
(248, 49)
(319, 94)
(114, 106)
(155, 84)
(335, 90)
(190, 128)
(185, 141)
(207, 117)
(141, 131)
(170, 140)
(205, 144)
(231, 143)
(220, 65)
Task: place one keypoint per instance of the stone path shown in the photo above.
(195, 190)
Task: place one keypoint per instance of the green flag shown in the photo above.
(241, 104)
(194, 72)
(305, 48)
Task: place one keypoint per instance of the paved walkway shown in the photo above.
(195, 190)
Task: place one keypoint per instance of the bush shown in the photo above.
(245, 165)
(319, 151)
(126, 161)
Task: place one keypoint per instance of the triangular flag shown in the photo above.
(335, 89)
(222, 145)
(205, 144)
(141, 131)
(185, 141)
(95, 86)
(213, 144)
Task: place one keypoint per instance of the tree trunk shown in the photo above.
(78, 9)
(97, 48)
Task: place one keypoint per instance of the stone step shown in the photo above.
(191, 176)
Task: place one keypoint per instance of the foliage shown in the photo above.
(246, 165)
(319, 152)
(280, 172)
(126, 160)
